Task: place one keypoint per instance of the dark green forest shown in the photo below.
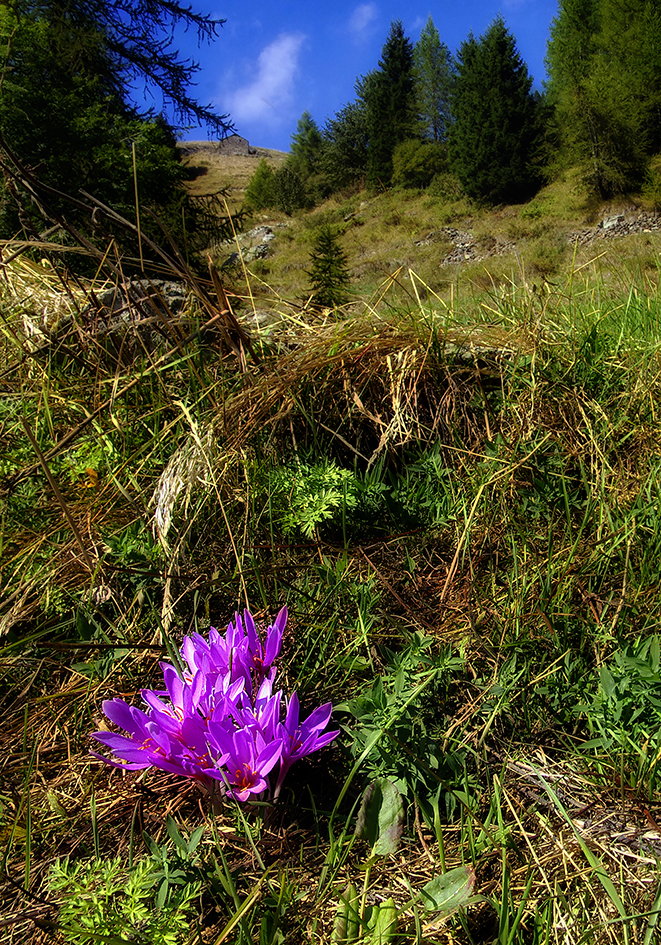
(68, 129)
(424, 113)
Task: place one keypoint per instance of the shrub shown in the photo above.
(417, 163)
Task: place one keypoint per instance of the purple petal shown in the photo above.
(130, 719)
(291, 718)
(251, 633)
(269, 757)
(314, 743)
(274, 638)
(153, 700)
(317, 720)
(119, 764)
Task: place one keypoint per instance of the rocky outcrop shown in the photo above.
(253, 245)
(467, 247)
(617, 225)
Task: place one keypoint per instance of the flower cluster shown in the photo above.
(219, 720)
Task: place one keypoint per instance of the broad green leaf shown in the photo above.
(383, 923)
(655, 653)
(381, 817)
(607, 682)
(175, 836)
(449, 891)
(194, 839)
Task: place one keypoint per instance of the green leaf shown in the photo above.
(607, 682)
(655, 653)
(151, 843)
(162, 895)
(449, 891)
(383, 924)
(194, 839)
(175, 836)
(381, 817)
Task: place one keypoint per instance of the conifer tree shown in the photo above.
(67, 73)
(433, 75)
(260, 192)
(306, 158)
(579, 116)
(345, 143)
(289, 192)
(389, 99)
(329, 272)
(495, 129)
(604, 65)
(306, 145)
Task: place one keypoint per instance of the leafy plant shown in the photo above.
(381, 822)
(107, 898)
(398, 728)
(289, 192)
(625, 709)
(305, 495)
(422, 493)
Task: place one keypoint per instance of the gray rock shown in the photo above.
(140, 307)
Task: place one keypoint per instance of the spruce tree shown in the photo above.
(306, 157)
(138, 37)
(579, 116)
(306, 145)
(433, 75)
(260, 192)
(67, 73)
(329, 272)
(289, 192)
(389, 99)
(495, 130)
(345, 143)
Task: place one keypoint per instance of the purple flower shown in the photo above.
(263, 713)
(263, 656)
(218, 719)
(159, 740)
(250, 759)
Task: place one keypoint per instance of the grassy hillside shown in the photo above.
(213, 171)
(453, 484)
(453, 247)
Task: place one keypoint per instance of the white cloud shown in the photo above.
(362, 18)
(265, 98)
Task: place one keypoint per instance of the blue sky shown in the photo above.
(274, 60)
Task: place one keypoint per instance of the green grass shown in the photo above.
(455, 489)
(392, 233)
